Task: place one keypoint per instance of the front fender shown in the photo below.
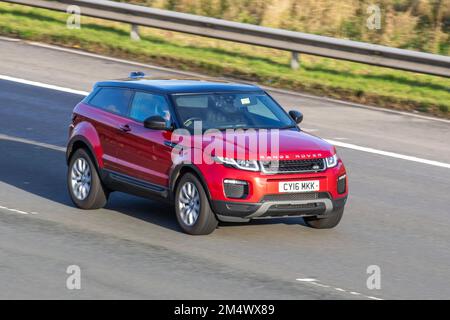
(176, 172)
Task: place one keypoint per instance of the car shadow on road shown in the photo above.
(154, 212)
(34, 169)
(42, 172)
(259, 222)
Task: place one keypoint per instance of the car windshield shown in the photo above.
(231, 110)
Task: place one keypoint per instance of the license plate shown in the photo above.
(299, 186)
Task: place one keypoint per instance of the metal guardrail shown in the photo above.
(295, 42)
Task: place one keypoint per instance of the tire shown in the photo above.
(205, 221)
(94, 198)
(325, 223)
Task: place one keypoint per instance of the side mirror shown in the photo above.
(297, 116)
(156, 123)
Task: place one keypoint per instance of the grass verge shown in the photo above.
(337, 79)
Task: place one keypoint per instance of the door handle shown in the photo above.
(125, 128)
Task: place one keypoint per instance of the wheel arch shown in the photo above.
(180, 171)
(80, 142)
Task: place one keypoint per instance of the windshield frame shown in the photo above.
(180, 123)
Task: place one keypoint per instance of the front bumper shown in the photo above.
(230, 211)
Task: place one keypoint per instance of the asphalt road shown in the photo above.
(397, 217)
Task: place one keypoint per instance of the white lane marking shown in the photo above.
(389, 154)
(354, 104)
(339, 138)
(318, 284)
(17, 210)
(43, 85)
(10, 39)
(195, 74)
(336, 143)
(32, 142)
(306, 280)
(122, 61)
(310, 130)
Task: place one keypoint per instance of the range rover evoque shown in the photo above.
(139, 135)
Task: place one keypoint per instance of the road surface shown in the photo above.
(397, 217)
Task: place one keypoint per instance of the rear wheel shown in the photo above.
(331, 221)
(84, 184)
(192, 207)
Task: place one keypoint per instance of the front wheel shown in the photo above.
(331, 221)
(84, 184)
(192, 207)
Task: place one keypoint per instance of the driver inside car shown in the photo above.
(225, 109)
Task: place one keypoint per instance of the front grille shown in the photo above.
(295, 196)
(282, 210)
(288, 166)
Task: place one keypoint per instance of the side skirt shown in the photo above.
(124, 183)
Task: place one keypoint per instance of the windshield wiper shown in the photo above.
(250, 127)
(242, 126)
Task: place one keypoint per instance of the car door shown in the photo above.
(145, 153)
(109, 120)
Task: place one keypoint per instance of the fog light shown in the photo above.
(236, 189)
(342, 184)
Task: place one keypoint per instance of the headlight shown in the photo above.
(249, 165)
(332, 161)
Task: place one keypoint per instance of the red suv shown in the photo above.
(218, 151)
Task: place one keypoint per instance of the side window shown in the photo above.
(115, 100)
(146, 105)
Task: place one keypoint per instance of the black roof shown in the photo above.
(179, 85)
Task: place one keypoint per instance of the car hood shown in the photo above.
(280, 145)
